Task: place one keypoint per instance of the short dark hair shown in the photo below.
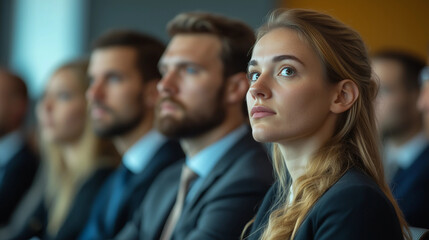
(149, 50)
(237, 38)
(412, 65)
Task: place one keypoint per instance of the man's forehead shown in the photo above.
(388, 69)
(113, 57)
(114, 53)
(200, 46)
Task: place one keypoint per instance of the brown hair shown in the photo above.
(354, 143)
(149, 50)
(236, 37)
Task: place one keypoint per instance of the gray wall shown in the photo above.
(39, 35)
(6, 11)
(152, 16)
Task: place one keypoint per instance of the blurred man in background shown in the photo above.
(423, 103)
(18, 163)
(123, 72)
(226, 174)
(406, 148)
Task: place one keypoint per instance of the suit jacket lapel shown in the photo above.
(168, 153)
(221, 167)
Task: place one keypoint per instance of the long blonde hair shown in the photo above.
(354, 142)
(63, 181)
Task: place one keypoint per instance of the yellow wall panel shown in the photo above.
(402, 24)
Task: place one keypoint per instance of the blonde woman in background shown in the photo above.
(77, 161)
(311, 95)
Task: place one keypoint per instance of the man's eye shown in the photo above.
(253, 76)
(191, 70)
(287, 72)
(114, 79)
(162, 70)
(90, 80)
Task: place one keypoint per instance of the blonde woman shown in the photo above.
(77, 161)
(311, 95)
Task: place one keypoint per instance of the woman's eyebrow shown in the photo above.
(287, 57)
(278, 58)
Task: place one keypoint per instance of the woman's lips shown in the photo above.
(261, 112)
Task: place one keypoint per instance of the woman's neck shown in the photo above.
(298, 153)
(70, 151)
(296, 159)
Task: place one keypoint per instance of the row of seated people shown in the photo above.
(144, 141)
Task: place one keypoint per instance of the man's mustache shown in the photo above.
(170, 100)
(102, 106)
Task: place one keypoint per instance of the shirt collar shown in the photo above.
(406, 154)
(140, 154)
(9, 146)
(204, 161)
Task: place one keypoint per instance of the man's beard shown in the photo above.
(119, 126)
(192, 124)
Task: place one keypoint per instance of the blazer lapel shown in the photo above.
(166, 155)
(221, 167)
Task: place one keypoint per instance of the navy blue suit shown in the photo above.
(410, 188)
(18, 176)
(354, 208)
(136, 188)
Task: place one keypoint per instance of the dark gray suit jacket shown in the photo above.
(227, 200)
(354, 208)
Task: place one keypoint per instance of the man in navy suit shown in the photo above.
(18, 163)
(406, 148)
(423, 103)
(123, 73)
(201, 103)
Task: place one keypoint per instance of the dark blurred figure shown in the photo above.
(18, 163)
(226, 174)
(423, 103)
(77, 161)
(123, 72)
(406, 148)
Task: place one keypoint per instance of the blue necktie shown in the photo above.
(119, 185)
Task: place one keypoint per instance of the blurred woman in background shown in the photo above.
(77, 161)
(311, 95)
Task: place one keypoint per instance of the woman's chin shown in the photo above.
(261, 135)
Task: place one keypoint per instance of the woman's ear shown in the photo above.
(346, 93)
(236, 88)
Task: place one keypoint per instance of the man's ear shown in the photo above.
(150, 94)
(236, 88)
(346, 93)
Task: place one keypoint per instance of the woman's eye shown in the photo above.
(64, 95)
(253, 76)
(287, 72)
